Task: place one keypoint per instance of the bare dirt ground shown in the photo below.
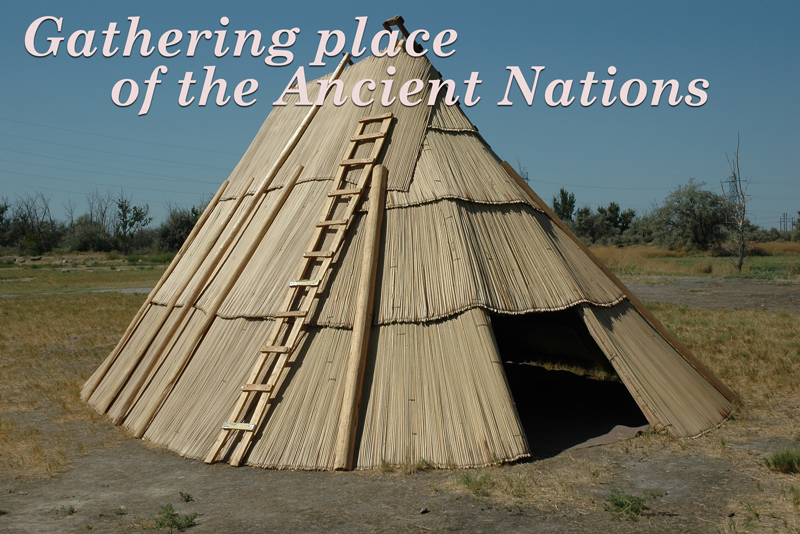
(697, 495)
(715, 483)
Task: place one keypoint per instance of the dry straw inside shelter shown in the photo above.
(333, 308)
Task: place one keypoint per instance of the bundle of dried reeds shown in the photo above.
(671, 393)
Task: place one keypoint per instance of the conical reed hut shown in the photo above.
(333, 307)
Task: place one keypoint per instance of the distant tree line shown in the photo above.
(110, 224)
(690, 217)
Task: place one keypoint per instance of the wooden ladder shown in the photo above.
(290, 321)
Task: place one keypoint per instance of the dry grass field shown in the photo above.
(780, 260)
(51, 275)
(54, 332)
(49, 344)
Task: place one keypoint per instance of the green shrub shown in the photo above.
(167, 518)
(623, 505)
(477, 482)
(177, 227)
(88, 236)
(784, 461)
(420, 465)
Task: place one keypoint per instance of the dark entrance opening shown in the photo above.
(565, 390)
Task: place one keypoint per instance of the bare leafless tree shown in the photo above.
(735, 188)
(69, 208)
(40, 230)
(100, 208)
(5, 222)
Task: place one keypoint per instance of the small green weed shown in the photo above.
(167, 518)
(120, 511)
(792, 492)
(784, 461)
(421, 465)
(752, 515)
(186, 497)
(516, 486)
(3, 512)
(386, 467)
(424, 465)
(623, 505)
(478, 483)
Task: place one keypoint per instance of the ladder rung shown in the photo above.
(342, 192)
(275, 348)
(335, 222)
(238, 426)
(291, 313)
(263, 388)
(371, 118)
(357, 161)
(298, 283)
(319, 254)
(367, 137)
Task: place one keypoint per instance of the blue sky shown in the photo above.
(61, 134)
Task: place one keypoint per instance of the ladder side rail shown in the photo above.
(301, 295)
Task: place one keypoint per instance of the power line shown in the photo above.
(600, 186)
(163, 203)
(112, 152)
(105, 136)
(93, 183)
(171, 177)
(82, 171)
(89, 119)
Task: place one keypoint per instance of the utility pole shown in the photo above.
(786, 223)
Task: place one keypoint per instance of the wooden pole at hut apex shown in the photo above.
(672, 340)
(183, 359)
(95, 379)
(359, 341)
